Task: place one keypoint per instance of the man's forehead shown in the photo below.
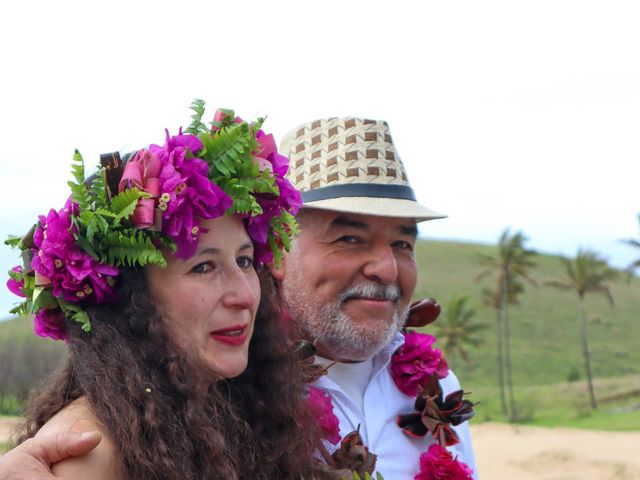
(329, 220)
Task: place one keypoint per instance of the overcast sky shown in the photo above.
(506, 114)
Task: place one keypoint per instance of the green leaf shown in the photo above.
(196, 126)
(42, 298)
(98, 189)
(77, 314)
(22, 309)
(125, 202)
(132, 248)
(79, 192)
(13, 241)
(85, 245)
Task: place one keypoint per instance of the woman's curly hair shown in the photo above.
(168, 418)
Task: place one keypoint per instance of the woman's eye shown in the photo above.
(203, 267)
(245, 262)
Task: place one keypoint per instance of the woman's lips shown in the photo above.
(235, 335)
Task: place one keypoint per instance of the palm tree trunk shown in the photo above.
(507, 345)
(503, 398)
(585, 353)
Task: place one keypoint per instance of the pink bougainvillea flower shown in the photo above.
(416, 360)
(437, 463)
(50, 323)
(14, 285)
(74, 275)
(321, 407)
(186, 193)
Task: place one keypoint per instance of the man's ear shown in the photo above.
(277, 272)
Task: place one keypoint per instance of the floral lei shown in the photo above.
(416, 368)
(125, 214)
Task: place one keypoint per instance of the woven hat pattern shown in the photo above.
(342, 151)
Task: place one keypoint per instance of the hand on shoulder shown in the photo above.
(103, 462)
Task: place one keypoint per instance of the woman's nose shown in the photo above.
(242, 290)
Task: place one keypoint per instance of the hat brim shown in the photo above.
(381, 207)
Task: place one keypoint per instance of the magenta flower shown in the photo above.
(50, 323)
(186, 193)
(437, 463)
(288, 198)
(415, 361)
(74, 275)
(142, 172)
(15, 286)
(319, 403)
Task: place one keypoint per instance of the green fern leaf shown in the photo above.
(13, 241)
(79, 192)
(125, 202)
(98, 190)
(196, 126)
(132, 248)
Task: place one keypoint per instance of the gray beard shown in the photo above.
(338, 333)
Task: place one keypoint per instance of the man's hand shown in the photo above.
(32, 459)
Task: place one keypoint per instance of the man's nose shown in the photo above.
(240, 292)
(382, 265)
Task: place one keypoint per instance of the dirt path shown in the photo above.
(534, 453)
(6, 424)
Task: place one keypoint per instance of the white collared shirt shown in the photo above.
(376, 411)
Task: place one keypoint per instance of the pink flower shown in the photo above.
(186, 193)
(142, 172)
(15, 286)
(319, 403)
(437, 463)
(74, 274)
(415, 361)
(288, 197)
(50, 323)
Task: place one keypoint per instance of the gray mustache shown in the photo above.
(372, 290)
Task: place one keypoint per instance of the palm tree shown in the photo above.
(458, 329)
(633, 266)
(587, 273)
(512, 262)
(491, 298)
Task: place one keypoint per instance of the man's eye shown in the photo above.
(403, 245)
(245, 262)
(203, 267)
(348, 239)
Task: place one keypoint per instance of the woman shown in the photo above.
(176, 358)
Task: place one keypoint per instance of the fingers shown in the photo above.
(53, 448)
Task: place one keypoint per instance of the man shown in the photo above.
(349, 277)
(347, 283)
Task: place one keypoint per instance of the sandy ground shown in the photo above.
(532, 453)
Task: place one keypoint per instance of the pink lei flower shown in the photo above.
(416, 360)
(437, 463)
(319, 403)
(14, 285)
(186, 193)
(50, 323)
(73, 274)
(289, 198)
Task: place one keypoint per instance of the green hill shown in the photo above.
(544, 327)
(545, 345)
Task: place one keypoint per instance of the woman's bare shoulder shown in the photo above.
(103, 462)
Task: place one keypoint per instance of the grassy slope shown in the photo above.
(545, 344)
(545, 341)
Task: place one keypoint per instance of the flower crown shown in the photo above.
(128, 211)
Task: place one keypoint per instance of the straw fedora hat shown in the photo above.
(351, 165)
